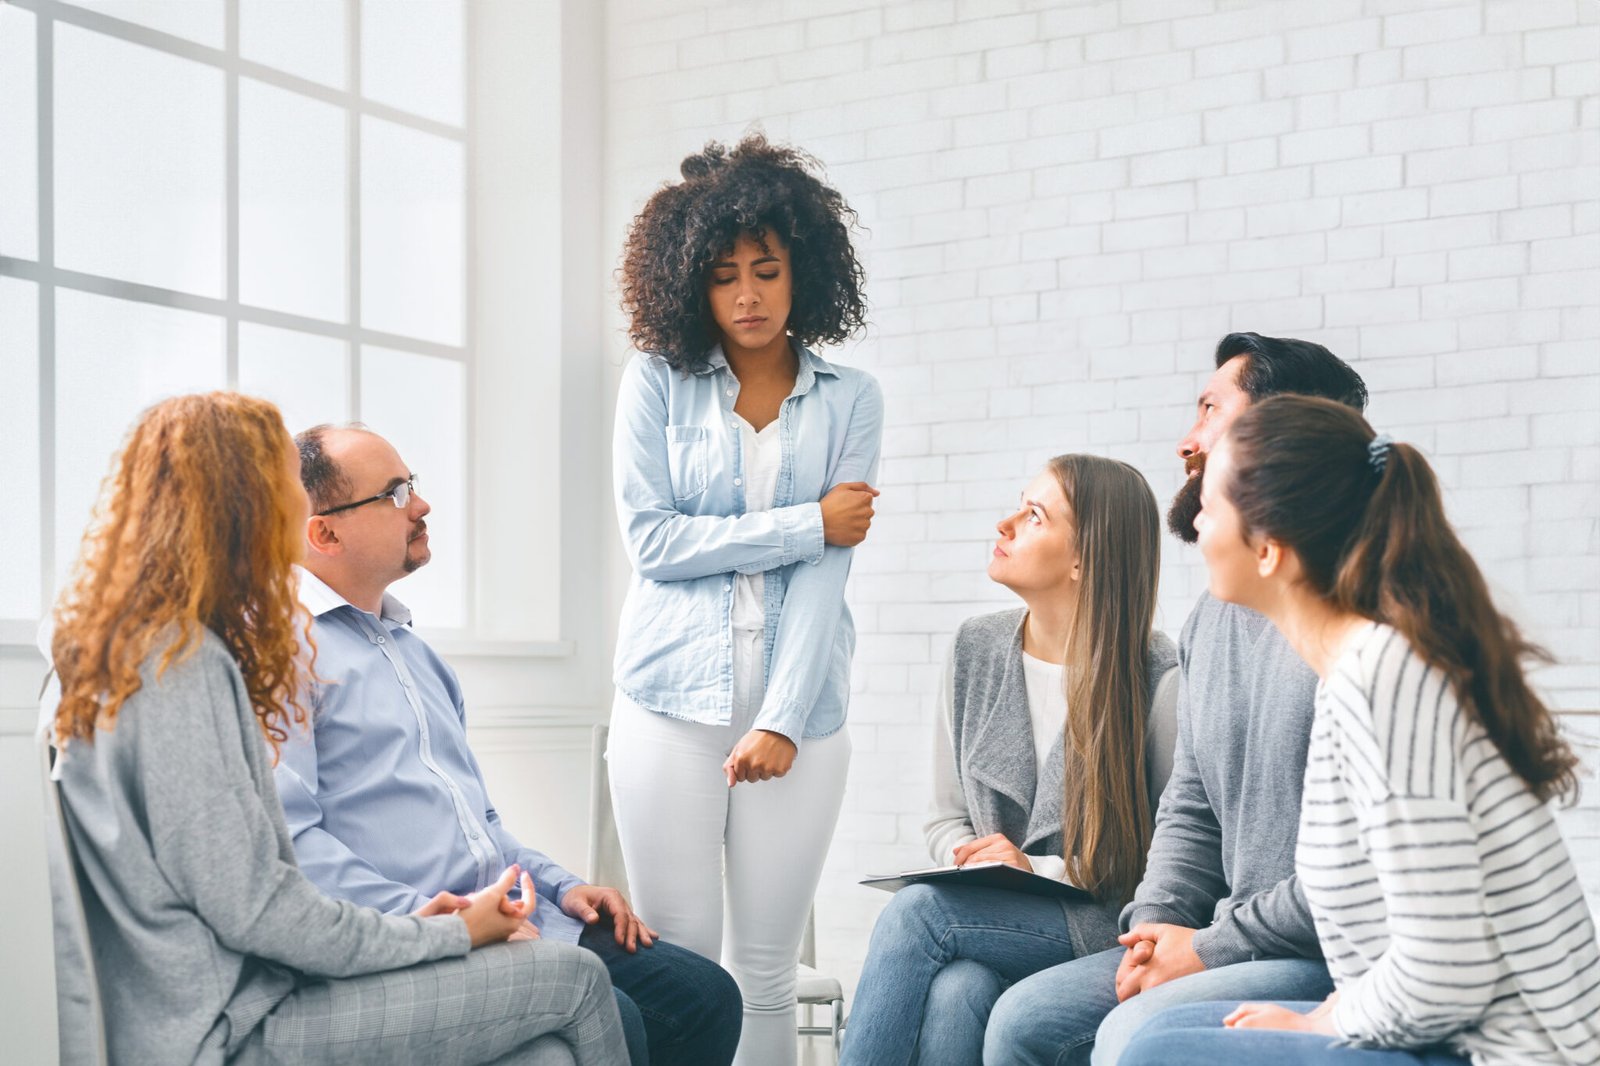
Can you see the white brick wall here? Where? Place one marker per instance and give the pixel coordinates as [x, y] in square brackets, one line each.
[1067, 205]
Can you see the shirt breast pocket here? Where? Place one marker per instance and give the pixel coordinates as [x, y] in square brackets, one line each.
[686, 461]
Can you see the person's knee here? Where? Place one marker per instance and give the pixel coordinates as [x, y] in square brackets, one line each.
[1124, 1023]
[912, 911]
[720, 1006]
[586, 971]
[766, 988]
[1015, 1034]
[963, 987]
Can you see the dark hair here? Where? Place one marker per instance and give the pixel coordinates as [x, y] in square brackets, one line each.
[754, 188]
[1275, 365]
[325, 483]
[1373, 539]
[1272, 366]
[1106, 821]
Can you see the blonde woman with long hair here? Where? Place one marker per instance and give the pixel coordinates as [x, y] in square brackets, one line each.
[179, 648]
[1040, 762]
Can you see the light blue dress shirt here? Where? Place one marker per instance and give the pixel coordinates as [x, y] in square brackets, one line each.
[386, 804]
[679, 480]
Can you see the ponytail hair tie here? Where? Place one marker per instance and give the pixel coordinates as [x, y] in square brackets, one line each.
[1378, 452]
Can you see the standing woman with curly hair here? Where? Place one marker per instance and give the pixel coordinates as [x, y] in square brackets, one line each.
[743, 466]
[178, 646]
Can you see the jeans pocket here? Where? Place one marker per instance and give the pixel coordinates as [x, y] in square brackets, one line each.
[686, 461]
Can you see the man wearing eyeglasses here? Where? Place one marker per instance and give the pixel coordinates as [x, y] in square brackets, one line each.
[381, 793]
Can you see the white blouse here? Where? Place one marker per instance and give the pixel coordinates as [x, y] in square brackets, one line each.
[763, 454]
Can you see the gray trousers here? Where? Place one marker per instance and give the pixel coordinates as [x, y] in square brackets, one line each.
[530, 1003]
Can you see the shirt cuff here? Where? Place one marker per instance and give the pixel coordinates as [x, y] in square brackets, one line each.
[556, 892]
[784, 716]
[1052, 866]
[802, 532]
[1222, 944]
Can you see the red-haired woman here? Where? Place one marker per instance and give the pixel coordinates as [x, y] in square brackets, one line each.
[1448, 908]
[178, 648]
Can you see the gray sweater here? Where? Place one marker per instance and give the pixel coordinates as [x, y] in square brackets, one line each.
[199, 919]
[992, 757]
[1222, 860]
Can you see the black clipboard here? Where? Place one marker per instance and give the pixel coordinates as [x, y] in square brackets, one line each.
[981, 875]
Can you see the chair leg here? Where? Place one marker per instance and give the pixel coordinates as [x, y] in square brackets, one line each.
[838, 1025]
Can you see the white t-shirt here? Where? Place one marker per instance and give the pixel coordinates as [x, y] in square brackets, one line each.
[1047, 705]
[763, 454]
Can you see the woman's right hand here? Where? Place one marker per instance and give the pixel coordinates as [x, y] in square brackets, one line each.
[491, 917]
[846, 513]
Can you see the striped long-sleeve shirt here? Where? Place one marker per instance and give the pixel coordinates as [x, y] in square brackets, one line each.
[1448, 908]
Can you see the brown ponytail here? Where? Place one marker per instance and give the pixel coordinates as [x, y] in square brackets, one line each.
[1368, 525]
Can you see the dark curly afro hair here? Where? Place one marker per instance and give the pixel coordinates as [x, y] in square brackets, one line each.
[756, 188]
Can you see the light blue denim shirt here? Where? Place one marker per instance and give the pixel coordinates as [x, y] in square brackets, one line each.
[383, 797]
[679, 480]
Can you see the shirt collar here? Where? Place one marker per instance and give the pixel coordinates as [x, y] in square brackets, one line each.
[811, 364]
[319, 599]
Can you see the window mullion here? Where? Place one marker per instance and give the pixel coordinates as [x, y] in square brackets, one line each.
[352, 206]
[44, 74]
[231, 118]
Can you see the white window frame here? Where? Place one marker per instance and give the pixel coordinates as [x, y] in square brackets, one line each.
[49, 278]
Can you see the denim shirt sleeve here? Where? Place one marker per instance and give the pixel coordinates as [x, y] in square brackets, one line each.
[814, 598]
[326, 860]
[663, 543]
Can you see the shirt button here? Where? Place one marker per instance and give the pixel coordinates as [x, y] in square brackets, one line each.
[474, 834]
[738, 481]
[380, 640]
[730, 392]
[727, 588]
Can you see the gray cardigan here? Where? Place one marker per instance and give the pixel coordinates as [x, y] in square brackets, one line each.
[199, 920]
[984, 754]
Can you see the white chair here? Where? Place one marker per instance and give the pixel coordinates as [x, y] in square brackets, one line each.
[818, 990]
[607, 868]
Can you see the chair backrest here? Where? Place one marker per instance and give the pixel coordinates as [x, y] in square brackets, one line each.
[605, 849]
[1161, 736]
[79, 1021]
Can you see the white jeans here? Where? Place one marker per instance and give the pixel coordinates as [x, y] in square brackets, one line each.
[682, 828]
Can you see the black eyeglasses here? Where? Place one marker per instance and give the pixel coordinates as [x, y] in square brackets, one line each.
[400, 494]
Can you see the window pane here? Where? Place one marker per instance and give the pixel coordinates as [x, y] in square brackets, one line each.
[114, 358]
[140, 193]
[418, 403]
[304, 374]
[197, 20]
[291, 202]
[19, 139]
[19, 443]
[412, 56]
[304, 37]
[412, 232]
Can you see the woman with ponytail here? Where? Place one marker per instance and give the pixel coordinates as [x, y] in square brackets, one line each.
[1042, 760]
[1448, 908]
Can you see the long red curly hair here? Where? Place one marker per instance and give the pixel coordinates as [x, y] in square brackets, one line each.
[195, 528]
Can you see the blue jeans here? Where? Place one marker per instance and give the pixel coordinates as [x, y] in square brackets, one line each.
[1070, 1012]
[1193, 1035]
[684, 1008]
[939, 958]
